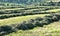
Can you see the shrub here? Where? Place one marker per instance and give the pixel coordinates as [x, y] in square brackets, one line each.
[25, 26]
[30, 26]
[39, 19]
[48, 18]
[44, 22]
[22, 27]
[54, 18]
[6, 28]
[37, 23]
[31, 20]
[58, 16]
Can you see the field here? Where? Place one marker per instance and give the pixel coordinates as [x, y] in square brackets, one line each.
[19, 19]
[23, 15]
[48, 30]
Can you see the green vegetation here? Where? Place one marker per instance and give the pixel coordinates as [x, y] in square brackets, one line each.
[54, 10]
[27, 20]
[19, 19]
[37, 22]
[36, 19]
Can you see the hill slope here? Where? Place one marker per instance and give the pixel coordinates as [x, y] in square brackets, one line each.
[26, 1]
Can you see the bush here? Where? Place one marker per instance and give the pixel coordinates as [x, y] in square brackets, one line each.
[39, 19]
[44, 22]
[25, 26]
[54, 18]
[58, 16]
[49, 20]
[37, 23]
[31, 21]
[6, 28]
[22, 27]
[30, 26]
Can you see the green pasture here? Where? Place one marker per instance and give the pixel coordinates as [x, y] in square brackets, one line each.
[19, 19]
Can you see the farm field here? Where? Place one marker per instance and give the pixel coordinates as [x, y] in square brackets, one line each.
[30, 21]
[53, 10]
[48, 30]
[29, 17]
[19, 19]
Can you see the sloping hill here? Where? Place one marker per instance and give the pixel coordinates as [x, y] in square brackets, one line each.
[49, 30]
[26, 1]
[54, 0]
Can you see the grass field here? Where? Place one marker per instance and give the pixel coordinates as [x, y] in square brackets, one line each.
[11, 9]
[48, 30]
[19, 19]
[53, 29]
[53, 10]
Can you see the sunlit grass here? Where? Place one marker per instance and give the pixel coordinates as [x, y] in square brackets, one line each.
[53, 10]
[52, 29]
[19, 19]
[11, 9]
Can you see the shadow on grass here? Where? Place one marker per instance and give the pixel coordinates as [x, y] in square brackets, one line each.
[40, 22]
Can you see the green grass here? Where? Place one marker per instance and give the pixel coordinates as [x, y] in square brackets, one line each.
[52, 29]
[22, 18]
[32, 7]
[11, 9]
[48, 30]
[19, 19]
[53, 10]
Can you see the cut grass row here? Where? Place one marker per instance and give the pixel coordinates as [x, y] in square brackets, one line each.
[33, 8]
[11, 11]
[27, 25]
[18, 19]
[53, 10]
[15, 13]
[33, 23]
[4, 16]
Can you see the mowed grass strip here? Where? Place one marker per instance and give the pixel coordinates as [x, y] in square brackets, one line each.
[19, 19]
[53, 10]
[11, 9]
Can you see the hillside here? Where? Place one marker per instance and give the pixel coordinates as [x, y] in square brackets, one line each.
[20, 1]
[29, 17]
[49, 30]
[26, 1]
